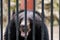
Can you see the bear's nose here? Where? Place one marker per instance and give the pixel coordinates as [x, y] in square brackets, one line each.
[24, 28]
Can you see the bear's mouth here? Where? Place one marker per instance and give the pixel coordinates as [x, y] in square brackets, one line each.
[25, 29]
[23, 32]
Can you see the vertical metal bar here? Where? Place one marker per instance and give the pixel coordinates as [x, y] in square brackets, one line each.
[17, 22]
[8, 19]
[25, 19]
[1, 19]
[51, 19]
[33, 20]
[42, 34]
[59, 19]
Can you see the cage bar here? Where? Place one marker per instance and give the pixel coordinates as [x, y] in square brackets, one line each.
[59, 19]
[1, 19]
[25, 5]
[8, 19]
[42, 28]
[51, 19]
[17, 22]
[33, 32]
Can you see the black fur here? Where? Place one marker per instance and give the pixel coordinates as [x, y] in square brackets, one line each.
[38, 26]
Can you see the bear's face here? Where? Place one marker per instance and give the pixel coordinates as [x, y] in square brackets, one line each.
[23, 27]
[21, 18]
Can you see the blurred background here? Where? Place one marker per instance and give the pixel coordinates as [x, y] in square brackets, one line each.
[47, 12]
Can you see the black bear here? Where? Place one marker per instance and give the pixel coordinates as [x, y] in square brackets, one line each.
[21, 18]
